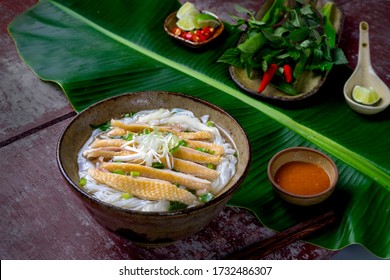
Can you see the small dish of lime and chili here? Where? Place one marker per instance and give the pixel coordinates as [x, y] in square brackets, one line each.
[192, 27]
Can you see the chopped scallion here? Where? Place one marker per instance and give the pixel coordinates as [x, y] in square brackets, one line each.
[206, 197]
[158, 165]
[205, 150]
[175, 205]
[211, 166]
[174, 149]
[118, 171]
[126, 195]
[103, 126]
[181, 143]
[129, 136]
[146, 131]
[129, 115]
[83, 182]
[210, 123]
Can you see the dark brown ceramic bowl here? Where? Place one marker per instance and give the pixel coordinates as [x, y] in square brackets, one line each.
[149, 228]
[170, 24]
[305, 155]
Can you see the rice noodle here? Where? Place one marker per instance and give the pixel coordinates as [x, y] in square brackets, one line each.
[151, 147]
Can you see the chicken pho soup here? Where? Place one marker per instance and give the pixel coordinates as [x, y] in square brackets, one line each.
[157, 160]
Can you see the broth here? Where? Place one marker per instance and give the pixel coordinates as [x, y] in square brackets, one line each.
[302, 178]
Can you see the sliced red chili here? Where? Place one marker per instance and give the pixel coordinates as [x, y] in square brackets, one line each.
[177, 31]
[287, 73]
[267, 77]
[189, 36]
[202, 38]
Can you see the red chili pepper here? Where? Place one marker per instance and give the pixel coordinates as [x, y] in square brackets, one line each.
[177, 31]
[189, 36]
[202, 38]
[267, 77]
[287, 73]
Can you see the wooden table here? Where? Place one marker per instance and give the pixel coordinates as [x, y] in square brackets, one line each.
[41, 218]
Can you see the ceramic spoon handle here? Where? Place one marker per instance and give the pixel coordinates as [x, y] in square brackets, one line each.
[364, 60]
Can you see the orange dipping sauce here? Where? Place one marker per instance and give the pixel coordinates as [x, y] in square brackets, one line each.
[303, 178]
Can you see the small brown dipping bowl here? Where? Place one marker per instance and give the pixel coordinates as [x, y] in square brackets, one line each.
[308, 155]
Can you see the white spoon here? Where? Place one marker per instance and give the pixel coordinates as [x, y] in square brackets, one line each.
[365, 76]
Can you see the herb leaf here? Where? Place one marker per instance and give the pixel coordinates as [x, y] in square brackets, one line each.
[175, 205]
[103, 126]
[301, 36]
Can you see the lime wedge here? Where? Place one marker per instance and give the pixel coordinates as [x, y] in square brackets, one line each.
[366, 96]
[204, 20]
[186, 24]
[187, 10]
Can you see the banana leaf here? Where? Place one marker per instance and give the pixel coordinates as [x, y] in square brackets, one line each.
[97, 49]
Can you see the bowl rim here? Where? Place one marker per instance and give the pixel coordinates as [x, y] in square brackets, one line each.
[85, 195]
[302, 196]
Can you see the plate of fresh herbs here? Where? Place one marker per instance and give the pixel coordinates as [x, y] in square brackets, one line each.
[287, 48]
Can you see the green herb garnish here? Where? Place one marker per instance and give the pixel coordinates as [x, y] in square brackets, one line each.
[146, 131]
[210, 124]
[103, 126]
[300, 36]
[128, 136]
[181, 143]
[175, 205]
[158, 165]
[128, 115]
[206, 197]
[205, 150]
[211, 166]
[126, 195]
[118, 171]
[83, 182]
